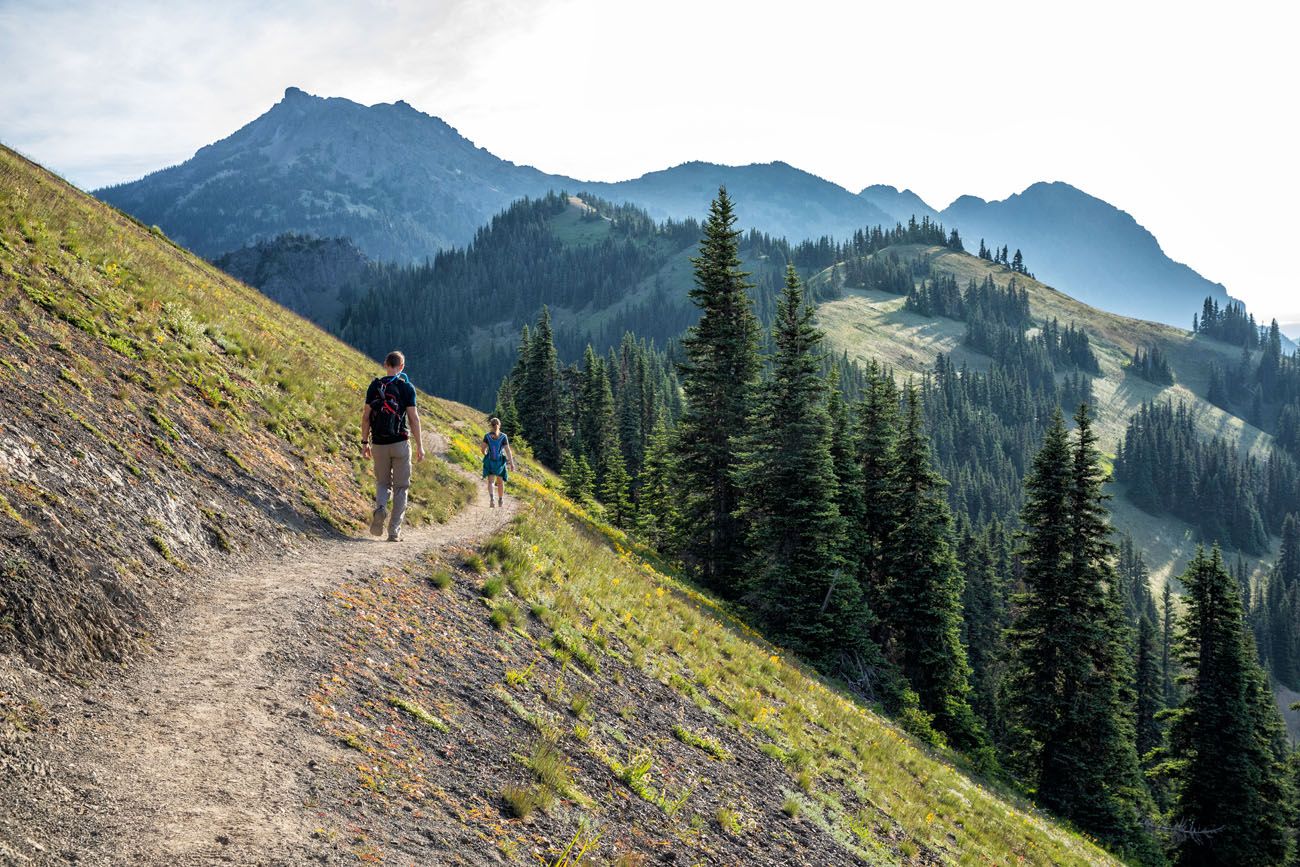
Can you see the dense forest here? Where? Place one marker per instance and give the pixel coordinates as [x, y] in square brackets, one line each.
[991, 612]
[606, 263]
[1168, 468]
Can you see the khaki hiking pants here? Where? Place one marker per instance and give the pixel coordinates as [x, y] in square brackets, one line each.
[392, 473]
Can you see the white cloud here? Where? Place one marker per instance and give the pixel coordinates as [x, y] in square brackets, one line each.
[1179, 113]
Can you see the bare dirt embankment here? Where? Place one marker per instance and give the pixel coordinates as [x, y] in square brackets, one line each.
[206, 751]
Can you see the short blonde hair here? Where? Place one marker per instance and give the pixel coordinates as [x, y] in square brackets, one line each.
[494, 421]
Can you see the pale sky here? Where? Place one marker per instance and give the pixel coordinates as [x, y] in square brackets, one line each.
[1182, 114]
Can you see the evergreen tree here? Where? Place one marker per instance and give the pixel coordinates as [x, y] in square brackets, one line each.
[924, 584]
[877, 448]
[1068, 698]
[1168, 662]
[614, 485]
[657, 496]
[800, 586]
[984, 615]
[1149, 688]
[1226, 752]
[539, 398]
[597, 426]
[719, 378]
[506, 409]
[868, 671]
[579, 481]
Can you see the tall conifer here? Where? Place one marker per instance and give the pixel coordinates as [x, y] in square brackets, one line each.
[800, 586]
[1068, 703]
[719, 377]
[924, 586]
[1226, 755]
[539, 397]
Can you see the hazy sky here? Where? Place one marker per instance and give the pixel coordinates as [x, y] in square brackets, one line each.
[1182, 114]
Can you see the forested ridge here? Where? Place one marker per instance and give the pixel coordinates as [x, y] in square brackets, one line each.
[992, 612]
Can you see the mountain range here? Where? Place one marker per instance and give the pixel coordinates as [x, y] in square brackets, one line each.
[401, 185]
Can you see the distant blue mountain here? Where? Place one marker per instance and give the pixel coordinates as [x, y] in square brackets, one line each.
[774, 197]
[1088, 248]
[402, 184]
[901, 206]
[1075, 242]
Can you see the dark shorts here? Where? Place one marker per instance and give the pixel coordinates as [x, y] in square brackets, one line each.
[495, 468]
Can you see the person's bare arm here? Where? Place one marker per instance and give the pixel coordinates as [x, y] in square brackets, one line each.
[365, 431]
[413, 421]
[510, 455]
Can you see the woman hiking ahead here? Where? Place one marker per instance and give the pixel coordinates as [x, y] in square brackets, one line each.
[496, 454]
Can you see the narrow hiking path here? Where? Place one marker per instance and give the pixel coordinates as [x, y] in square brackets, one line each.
[205, 753]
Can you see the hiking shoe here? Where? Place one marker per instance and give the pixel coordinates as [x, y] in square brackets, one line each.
[377, 521]
[394, 537]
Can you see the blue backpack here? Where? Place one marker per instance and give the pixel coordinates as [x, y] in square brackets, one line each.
[496, 448]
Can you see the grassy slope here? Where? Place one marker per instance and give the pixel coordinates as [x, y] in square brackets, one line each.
[185, 420]
[157, 417]
[563, 672]
[867, 324]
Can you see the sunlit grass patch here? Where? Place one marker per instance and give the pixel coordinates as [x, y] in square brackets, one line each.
[417, 712]
[701, 742]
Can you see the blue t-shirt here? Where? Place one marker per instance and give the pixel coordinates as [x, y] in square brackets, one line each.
[401, 387]
[496, 446]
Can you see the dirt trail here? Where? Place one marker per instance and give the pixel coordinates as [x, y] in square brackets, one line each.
[204, 754]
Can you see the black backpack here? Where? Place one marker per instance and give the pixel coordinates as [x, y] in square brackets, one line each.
[387, 417]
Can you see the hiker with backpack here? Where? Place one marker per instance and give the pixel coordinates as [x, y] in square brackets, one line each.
[388, 423]
[496, 455]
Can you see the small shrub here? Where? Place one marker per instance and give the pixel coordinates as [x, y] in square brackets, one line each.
[918, 723]
[635, 773]
[549, 767]
[492, 588]
[792, 808]
[580, 704]
[519, 676]
[505, 613]
[475, 564]
[729, 820]
[804, 781]
[672, 806]
[523, 801]
[441, 578]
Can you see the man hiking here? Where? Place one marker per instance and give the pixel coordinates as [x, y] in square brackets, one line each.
[388, 422]
[496, 454]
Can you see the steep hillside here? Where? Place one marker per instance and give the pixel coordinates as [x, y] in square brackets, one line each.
[554, 696]
[1089, 248]
[159, 419]
[870, 324]
[401, 184]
